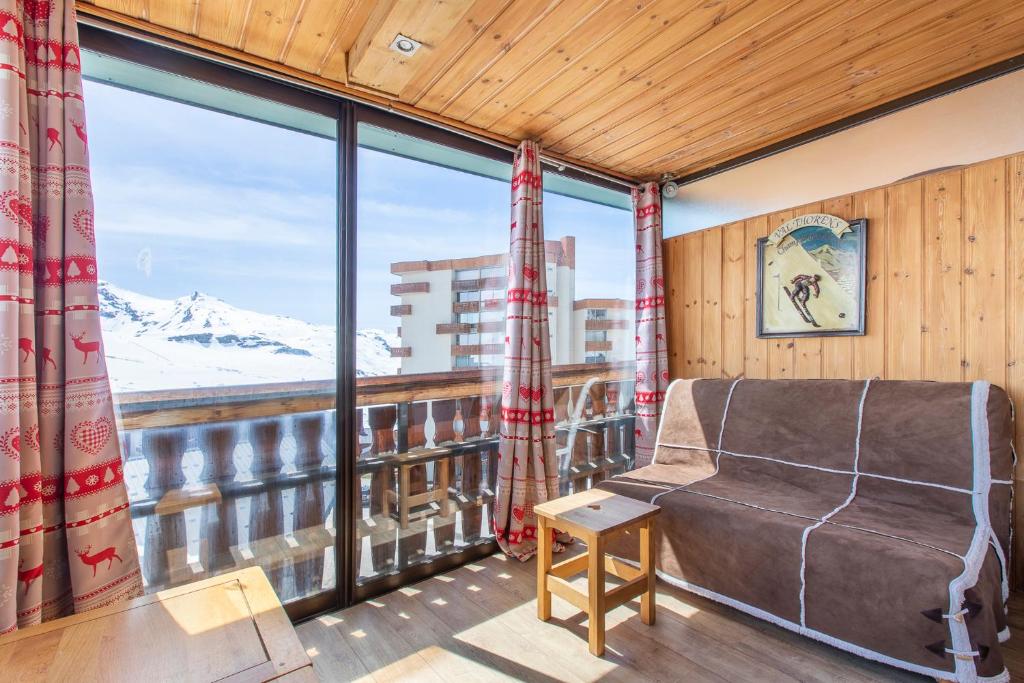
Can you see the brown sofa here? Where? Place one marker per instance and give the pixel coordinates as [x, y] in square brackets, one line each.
[873, 516]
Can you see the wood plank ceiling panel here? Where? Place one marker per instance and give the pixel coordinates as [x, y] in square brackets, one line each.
[317, 30]
[374, 64]
[689, 102]
[180, 16]
[690, 91]
[270, 27]
[640, 88]
[221, 21]
[480, 18]
[860, 77]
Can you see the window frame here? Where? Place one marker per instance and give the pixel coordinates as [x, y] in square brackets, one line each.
[162, 58]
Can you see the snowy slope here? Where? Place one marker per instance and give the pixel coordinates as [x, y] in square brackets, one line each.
[199, 340]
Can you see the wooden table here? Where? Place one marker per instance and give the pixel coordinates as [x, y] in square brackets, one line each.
[226, 628]
[595, 516]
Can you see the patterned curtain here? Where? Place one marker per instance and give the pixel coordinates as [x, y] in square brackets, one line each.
[651, 348]
[66, 541]
[527, 466]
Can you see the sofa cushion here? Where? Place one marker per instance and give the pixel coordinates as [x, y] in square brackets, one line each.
[918, 431]
[694, 436]
[725, 547]
[800, 421]
[922, 514]
[856, 591]
[776, 486]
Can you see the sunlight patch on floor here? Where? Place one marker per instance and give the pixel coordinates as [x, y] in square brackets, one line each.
[329, 620]
[482, 636]
[676, 606]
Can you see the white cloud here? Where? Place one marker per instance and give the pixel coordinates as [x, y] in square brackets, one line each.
[150, 201]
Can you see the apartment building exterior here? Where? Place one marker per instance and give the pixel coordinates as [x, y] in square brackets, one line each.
[607, 327]
[452, 313]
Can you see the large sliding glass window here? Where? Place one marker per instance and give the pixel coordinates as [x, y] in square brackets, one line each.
[227, 271]
[216, 232]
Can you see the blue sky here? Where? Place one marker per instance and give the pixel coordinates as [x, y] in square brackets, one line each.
[189, 199]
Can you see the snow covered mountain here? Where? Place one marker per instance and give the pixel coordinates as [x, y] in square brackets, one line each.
[202, 341]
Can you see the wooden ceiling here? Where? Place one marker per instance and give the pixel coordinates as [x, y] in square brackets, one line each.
[637, 87]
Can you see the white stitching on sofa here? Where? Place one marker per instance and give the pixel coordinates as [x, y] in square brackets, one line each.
[966, 671]
[819, 468]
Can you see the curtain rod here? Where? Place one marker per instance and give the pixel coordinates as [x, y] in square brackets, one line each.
[178, 46]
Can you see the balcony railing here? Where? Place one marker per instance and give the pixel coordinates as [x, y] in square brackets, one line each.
[227, 477]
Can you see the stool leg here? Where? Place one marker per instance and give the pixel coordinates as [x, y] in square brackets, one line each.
[543, 567]
[404, 489]
[647, 567]
[595, 594]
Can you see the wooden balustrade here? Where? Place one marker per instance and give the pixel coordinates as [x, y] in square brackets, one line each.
[165, 530]
[469, 468]
[308, 512]
[266, 509]
[219, 525]
[443, 413]
[382, 440]
[449, 474]
[596, 441]
[412, 482]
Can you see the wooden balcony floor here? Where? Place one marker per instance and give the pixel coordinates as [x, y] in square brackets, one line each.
[478, 622]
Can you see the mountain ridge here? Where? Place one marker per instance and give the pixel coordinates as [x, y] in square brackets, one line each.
[200, 340]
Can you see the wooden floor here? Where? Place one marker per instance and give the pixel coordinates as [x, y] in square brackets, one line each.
[479, 622]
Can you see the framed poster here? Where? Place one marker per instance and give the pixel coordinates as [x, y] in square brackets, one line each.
[810, 278]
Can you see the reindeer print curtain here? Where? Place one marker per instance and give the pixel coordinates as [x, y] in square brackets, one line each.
[527, 466]
[66, 541]
[651, 347]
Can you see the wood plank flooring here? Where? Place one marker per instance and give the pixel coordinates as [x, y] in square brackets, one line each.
[479, 623]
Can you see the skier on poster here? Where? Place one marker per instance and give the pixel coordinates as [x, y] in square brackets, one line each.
[801, 294]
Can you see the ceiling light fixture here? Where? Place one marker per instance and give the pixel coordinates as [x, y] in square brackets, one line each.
[404, 45]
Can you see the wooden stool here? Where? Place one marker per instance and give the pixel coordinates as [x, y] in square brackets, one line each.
[405, 501]
[594, 516]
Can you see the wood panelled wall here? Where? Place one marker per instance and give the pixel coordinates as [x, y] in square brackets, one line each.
[945, 292]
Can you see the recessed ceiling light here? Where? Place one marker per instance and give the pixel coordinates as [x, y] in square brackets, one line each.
[405, 45]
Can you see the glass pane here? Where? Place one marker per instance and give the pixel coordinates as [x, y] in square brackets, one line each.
[216, 237]
[592, 321]
[433, 239]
